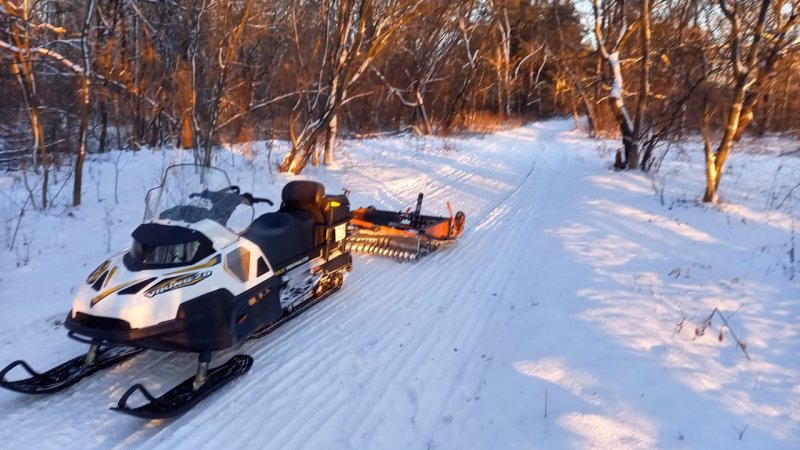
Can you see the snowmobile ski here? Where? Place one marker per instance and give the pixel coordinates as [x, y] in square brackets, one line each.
[67, 374]
[184, 396]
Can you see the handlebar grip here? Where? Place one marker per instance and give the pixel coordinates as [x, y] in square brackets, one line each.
[263, 200]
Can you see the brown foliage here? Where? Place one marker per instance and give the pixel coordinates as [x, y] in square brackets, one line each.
[197, 73]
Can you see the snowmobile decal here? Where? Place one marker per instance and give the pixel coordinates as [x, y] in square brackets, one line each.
[171, 284]
[296, 263]
[105, 294]
[109, 276]
[313, 254]
[100, 282]
[97, 272]
[210, 263]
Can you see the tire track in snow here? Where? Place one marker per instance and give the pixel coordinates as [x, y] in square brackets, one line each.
[468, 335]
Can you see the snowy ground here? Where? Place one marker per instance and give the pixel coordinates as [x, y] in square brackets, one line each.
[564, 318]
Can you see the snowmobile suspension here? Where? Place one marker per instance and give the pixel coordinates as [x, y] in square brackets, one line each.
[203, 361]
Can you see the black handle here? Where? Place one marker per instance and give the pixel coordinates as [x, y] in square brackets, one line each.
[250, 200]
[262, 200]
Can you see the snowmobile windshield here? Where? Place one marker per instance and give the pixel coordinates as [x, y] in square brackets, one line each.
[192, 193]
[182, 253]
[160, 245]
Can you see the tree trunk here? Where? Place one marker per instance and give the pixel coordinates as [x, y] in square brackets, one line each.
[101, 145]
[76, 188]
[742, 76]
[187, 133]
[617, 103]
[711, 172]
[330, 141]
[22, 68]
[426, 122]
[644, 85]
[85, 104]
[616, 96]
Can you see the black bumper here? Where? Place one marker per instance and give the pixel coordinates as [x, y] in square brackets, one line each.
[203, 324]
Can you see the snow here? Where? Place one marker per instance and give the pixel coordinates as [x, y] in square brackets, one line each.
[565, 316]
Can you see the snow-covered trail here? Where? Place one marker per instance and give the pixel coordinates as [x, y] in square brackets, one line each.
[395, 332]
[377, 366]
[541, 298]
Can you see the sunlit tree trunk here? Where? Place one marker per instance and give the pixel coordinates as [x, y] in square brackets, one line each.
[330, 141]
[85, 100]
[742, 75]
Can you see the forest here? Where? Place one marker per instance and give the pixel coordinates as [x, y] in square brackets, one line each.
[83, 77]
[393, 224]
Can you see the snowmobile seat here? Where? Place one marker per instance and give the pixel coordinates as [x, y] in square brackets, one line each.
[304, 196]
[282, 236]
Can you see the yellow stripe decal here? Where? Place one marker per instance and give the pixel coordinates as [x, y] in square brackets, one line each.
[211, 262]
[105, 294]
[109, 276]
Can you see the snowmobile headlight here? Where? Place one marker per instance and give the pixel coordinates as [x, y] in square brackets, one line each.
[97, 272]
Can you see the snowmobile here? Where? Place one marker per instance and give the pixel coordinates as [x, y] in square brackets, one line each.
[201, 276]
[405, 236]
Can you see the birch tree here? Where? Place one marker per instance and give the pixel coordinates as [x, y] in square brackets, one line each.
[610, 53]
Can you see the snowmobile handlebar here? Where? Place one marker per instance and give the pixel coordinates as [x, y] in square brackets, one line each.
[205, 193]
[250, 200]
[215, 196]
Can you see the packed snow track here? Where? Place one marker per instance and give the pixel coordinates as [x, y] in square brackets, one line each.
[459, 350]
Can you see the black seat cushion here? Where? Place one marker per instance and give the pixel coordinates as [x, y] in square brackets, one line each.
[304, 196]
[282, 236]
[303, 191]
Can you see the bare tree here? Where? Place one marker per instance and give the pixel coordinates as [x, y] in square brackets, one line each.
[361, 30]
[644, 84]
[17, 31]
[778, 41]
[616, 97]
[226, 58]
[743, 77]
[85, 97]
